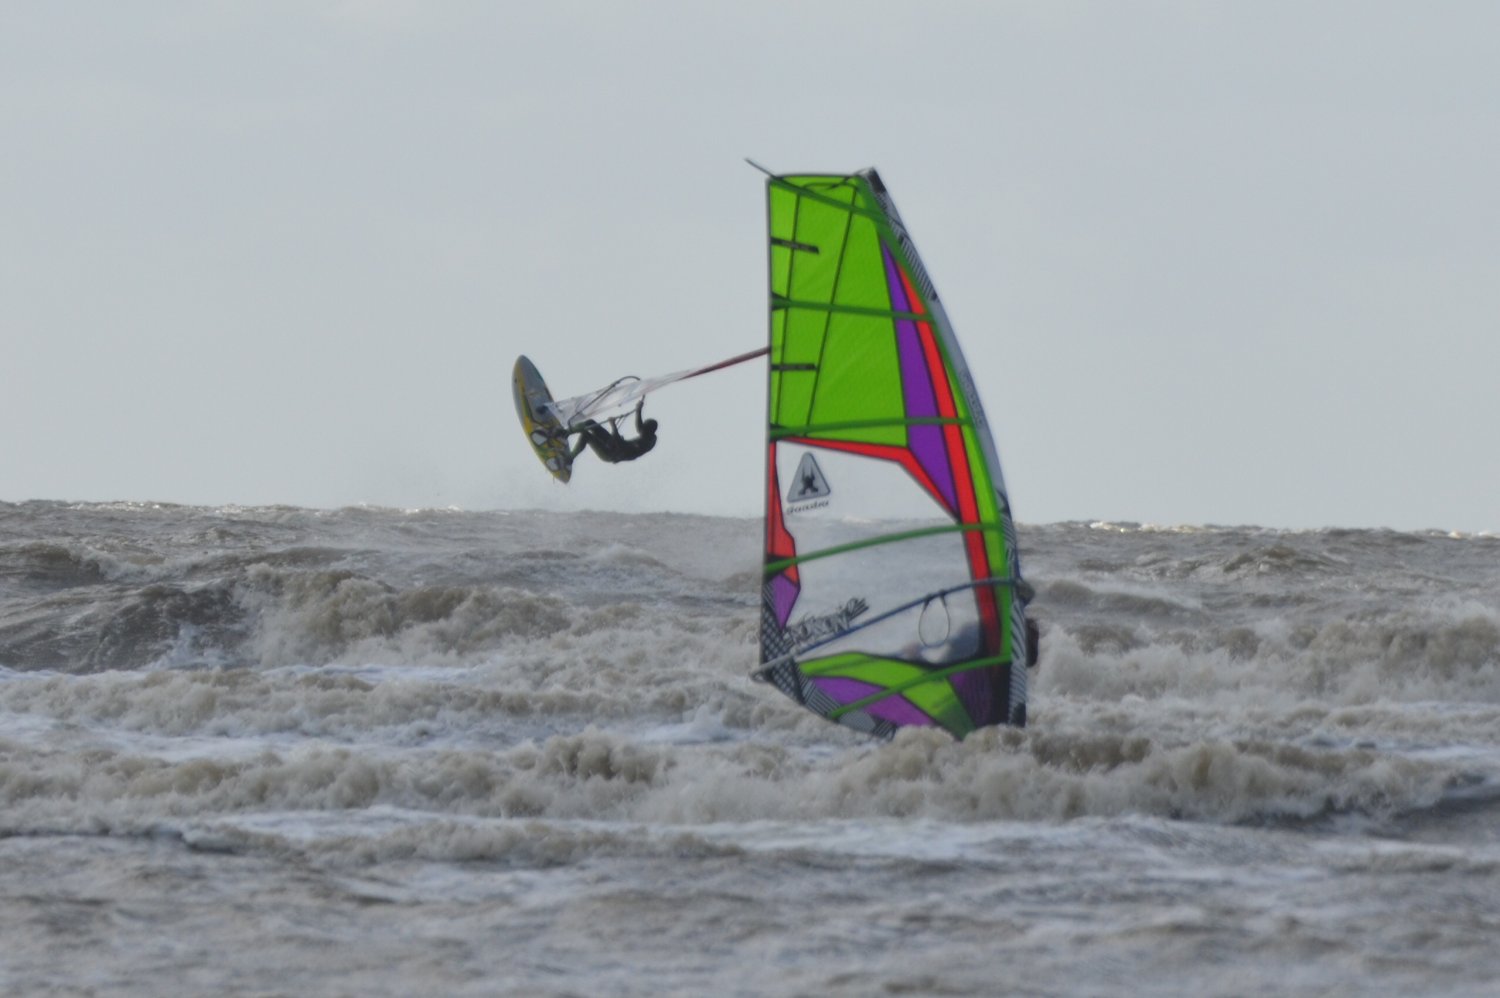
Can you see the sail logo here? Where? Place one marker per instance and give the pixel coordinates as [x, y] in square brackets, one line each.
[821, 629]
[808, 484]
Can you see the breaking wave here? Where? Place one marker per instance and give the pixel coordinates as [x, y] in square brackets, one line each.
[368, 683]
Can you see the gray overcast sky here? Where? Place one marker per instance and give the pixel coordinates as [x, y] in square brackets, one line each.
[1210, 263]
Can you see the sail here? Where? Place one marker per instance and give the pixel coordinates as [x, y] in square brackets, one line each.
[622, 395]
[615, 399]
[892, 592]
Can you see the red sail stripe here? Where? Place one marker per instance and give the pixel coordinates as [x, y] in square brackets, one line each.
[779, 541]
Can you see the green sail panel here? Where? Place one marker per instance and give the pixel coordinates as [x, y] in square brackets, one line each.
[892, 592]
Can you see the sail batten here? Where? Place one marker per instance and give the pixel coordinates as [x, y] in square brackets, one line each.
[815, 306]
[778, 432]
[772, 567]
[883, 487]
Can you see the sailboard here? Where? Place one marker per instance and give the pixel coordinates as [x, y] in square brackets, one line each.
[892, 592]
[544, 433]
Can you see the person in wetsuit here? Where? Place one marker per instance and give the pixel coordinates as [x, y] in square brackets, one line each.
[609, 445]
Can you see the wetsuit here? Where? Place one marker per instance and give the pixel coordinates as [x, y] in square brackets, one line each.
[610, 446]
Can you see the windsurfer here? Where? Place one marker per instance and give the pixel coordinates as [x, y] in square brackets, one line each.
[609, 445]
[1026, 593]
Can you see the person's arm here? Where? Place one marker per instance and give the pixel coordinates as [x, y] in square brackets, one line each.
[640, 427]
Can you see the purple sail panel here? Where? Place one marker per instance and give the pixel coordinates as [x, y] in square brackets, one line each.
[976, 691]
[784, 592]
[895, 708]
[925, 442]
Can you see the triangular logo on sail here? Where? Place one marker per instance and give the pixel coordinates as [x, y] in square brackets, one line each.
[808, 482]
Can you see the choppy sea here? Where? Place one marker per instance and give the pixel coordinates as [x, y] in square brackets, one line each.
[279, 751]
